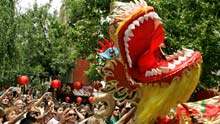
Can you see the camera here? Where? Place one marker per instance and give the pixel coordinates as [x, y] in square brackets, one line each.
[14, 89]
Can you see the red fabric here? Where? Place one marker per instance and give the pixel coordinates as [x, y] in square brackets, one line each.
[210, 110]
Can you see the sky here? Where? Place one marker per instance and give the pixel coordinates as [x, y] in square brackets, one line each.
[23, 5]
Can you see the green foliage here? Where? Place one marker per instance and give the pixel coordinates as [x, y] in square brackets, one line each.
[8, 51]
[34, 43]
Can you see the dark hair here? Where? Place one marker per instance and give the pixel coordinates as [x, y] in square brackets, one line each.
[29, 120]
[2, 112]
[31, 114]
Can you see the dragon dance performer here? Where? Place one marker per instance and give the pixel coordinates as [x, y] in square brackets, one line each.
[138, 70]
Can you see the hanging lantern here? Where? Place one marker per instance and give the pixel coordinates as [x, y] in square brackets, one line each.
[91, 98]
[77, 85]
[67, 99]
[23, 80]
[56, 84]
[79, 99]
[97, 85]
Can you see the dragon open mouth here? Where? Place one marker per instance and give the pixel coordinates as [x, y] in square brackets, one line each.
[140, 40]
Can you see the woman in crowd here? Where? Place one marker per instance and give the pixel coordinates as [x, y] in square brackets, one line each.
[11, 117]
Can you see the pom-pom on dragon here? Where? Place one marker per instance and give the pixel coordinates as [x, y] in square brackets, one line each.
[138, 70]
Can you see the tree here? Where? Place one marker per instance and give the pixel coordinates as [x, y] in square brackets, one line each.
[8, 50]
[84, 17]
[45, 47]
[34, 43]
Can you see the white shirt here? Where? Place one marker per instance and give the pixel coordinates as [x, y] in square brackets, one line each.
[53, 121]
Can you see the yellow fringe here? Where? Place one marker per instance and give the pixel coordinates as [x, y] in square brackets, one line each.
[157, 100]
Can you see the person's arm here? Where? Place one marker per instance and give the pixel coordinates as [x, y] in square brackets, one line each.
[126, 108]
[41, 98]
[64, 116]
[51, 106]
[6, 93]
[80, 115]
[19, 92]
[124, 119]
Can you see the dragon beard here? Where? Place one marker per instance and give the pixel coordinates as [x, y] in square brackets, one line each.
[157, 100]
[144, 73]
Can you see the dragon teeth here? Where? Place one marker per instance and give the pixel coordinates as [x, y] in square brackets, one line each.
[171, 66]
[129, 60]
[129, 33]
[141, 19]
[126, 39]
[176, 62]
[182, 58]
[159, 71]
[188, 52]
[146, 17]
[136, 23]
[164, 69]
[147, 74]
[154, 72]
[131, 26]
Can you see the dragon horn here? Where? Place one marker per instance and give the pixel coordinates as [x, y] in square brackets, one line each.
[101, 44]
[107, 42]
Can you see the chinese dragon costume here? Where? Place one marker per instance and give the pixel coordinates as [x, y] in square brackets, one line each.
[138, 70]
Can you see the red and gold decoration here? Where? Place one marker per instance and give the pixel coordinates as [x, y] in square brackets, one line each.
[79, 99]
[23, 80]
[143, 72]
[77, 85]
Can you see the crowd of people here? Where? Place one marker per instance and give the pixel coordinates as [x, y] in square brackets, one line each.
[19, 108]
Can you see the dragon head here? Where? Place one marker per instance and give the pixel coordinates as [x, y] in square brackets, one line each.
[143, 70]
[140, 37]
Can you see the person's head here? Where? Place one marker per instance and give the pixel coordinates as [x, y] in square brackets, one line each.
[28, 99]
[59, 110]
[116, 111]
[5, 100]
[72, 116]
[83, 112]
[33, 114]
[10, 114]
[29, 120]
[19, 104]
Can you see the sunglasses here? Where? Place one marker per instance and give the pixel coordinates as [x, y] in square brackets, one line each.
[72, 114]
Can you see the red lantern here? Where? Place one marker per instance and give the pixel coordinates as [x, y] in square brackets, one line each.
[91, 99]
[79, 99]
[77, 85]
[67, 99]
[56, 84]
[97, 85]
[23, 80]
